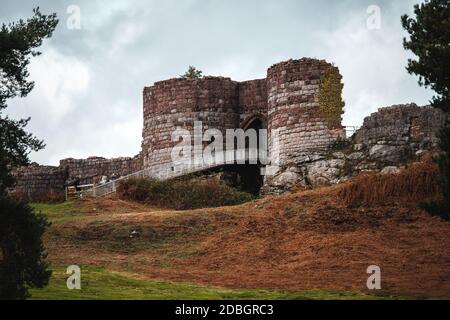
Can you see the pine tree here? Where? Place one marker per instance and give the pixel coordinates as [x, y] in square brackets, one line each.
[22, 254]
[429, 40]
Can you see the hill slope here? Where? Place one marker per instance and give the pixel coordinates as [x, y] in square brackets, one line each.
[307, 240]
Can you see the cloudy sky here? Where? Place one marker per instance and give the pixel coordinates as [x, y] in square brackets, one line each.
[88, 95]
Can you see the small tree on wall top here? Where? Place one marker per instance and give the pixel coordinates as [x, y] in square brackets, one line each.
[193, 73]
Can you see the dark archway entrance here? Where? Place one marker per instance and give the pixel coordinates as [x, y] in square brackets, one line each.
[249, 176]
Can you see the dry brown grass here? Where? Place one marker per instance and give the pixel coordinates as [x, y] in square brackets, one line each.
[300, 241]
[416, 183]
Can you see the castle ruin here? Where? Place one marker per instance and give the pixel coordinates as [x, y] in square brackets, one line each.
[300, 99]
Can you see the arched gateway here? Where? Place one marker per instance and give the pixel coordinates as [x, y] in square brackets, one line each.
[287, 101]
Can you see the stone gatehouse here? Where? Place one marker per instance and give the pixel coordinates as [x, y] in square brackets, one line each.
[287, 101]
[294, 100]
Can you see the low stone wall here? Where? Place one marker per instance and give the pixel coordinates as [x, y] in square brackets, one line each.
[47, 183]
[39, 183]
[92, 169]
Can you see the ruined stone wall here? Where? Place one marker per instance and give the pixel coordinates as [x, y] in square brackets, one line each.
[402, 125]
[387, 141]
[39, 183]
[293, 108]
[92, 169]
[47, 183]
[252, 101]
[179, 103]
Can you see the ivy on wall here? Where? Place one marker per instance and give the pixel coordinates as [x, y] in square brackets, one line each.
[330, 98]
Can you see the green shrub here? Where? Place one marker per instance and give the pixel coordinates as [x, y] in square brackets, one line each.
[181, 194]
[442, 208]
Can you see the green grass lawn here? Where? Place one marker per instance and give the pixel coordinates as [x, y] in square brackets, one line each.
[87, 209]
[58, 211]
[64, 207]
[100, 284]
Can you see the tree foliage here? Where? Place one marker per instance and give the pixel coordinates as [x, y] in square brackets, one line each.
[193, 73]
[442, 208]
[429, 40]
[15, 145]
[22, 255]
[18, 42]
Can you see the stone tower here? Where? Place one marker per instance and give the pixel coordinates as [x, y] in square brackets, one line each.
[294, 109]
[178, 103]
[286, 102]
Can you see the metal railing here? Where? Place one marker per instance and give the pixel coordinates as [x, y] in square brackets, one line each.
[351, 130]
[78, 192]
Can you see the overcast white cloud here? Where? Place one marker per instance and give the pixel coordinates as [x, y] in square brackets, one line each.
[58, 80]
[87, 100]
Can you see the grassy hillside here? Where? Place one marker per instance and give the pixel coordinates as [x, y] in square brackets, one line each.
[100, 284]
[285, 246]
